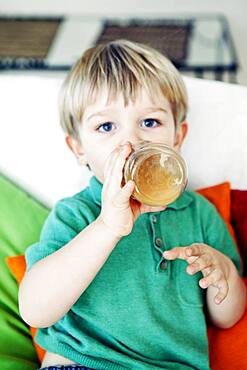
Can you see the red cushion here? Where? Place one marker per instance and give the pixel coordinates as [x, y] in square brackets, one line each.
[239, 222]
[227, 347]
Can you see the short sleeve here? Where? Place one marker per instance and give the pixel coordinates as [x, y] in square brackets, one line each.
[63, 223]
[218, 236]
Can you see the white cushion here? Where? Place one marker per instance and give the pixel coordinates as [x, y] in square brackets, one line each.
[215, 148]
[34, 155]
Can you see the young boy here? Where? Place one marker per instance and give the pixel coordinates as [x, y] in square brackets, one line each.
[114, 284]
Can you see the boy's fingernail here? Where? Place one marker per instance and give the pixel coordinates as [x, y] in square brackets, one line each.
[217, 300]
[130, 183]
[128, 144]
[203, 283]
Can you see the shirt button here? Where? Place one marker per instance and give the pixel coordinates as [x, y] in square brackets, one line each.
[159, 242]
[163, 265]
[154, 219]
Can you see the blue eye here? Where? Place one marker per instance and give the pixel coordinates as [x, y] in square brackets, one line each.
[105, 127]
[150, 122]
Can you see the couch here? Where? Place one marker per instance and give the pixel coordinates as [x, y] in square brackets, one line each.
[37, 169]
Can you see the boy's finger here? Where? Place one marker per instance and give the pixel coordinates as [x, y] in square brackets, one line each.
[177, 252]
[118, 168]
[192, 259]
[123, 196]
[223, 291]
[109, 165]
[217, 280]
[212, 278]
[220, 296]
[201, 263]
[196, 249]
[114, 168]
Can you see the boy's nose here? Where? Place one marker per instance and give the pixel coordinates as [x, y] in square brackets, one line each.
[133, 143]
[133, 138]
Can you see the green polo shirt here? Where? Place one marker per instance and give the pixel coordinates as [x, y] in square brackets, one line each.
[141, 311]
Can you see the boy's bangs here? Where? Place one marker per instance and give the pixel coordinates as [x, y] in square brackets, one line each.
[128, 86]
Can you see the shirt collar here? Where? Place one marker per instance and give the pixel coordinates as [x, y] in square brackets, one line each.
[95, 188]
[181, 202]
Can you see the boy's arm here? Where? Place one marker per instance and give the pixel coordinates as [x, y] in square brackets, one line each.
[54, 283]
[218, 261]
[231, 309]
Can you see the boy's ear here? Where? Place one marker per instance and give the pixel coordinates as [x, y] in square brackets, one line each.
[76, 147]
[180, 134]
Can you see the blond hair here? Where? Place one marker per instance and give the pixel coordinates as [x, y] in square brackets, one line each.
[122, 67]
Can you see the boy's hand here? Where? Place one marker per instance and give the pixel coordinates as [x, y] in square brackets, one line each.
[119, 211]
[214, 266]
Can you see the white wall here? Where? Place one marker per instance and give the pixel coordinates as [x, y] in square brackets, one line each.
[235, 11]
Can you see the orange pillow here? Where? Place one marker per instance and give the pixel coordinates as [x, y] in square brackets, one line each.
[227, 348]
[220, 196]
[17, 266]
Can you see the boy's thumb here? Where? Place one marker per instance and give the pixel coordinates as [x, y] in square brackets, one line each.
[124, 194]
